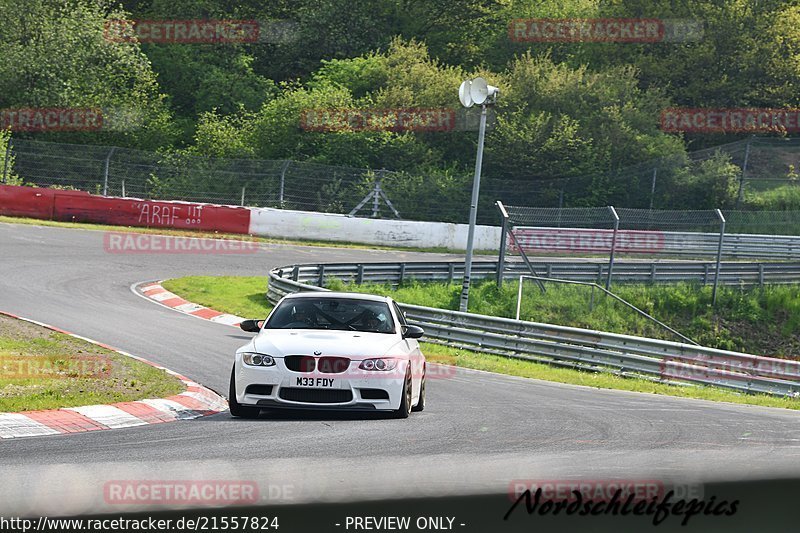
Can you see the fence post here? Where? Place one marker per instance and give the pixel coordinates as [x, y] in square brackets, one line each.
[519, 296]
[501, 260]
[283, 182]
[740, 195]
[613, 245]
[6, 163]
[719, 256]
[124, 195]
[105, 170]
[243, 188]
[321, 278]
[653, 187]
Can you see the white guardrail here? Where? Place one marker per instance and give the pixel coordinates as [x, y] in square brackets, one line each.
[585, 349]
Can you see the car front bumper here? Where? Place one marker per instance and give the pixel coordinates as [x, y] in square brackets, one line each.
[277, 386]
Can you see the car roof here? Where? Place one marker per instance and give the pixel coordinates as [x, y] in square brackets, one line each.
[332, 295]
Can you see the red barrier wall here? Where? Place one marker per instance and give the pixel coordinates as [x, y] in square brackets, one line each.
[26, 202]
[79, 206]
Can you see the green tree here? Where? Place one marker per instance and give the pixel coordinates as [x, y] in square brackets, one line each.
[53, 54]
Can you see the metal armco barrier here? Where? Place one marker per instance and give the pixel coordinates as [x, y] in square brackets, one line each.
[731, 273]
[560, 345]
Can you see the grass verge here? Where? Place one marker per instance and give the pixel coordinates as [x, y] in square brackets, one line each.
[44, 369]
[244, 296]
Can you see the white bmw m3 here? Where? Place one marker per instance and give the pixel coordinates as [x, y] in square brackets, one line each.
[328, 350]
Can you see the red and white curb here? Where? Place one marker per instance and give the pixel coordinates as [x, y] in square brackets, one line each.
[158, 294]
[196, 401]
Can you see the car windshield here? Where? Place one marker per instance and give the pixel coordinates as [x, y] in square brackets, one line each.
[332, 313]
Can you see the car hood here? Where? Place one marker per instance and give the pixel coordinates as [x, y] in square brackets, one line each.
[352, 344]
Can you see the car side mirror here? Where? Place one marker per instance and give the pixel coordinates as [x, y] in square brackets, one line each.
[251, 326]
[412, 332]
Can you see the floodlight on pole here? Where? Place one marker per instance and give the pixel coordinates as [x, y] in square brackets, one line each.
[470, 93]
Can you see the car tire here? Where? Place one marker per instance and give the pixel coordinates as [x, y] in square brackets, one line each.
[238, 410]
[421, 402]
[405, 402]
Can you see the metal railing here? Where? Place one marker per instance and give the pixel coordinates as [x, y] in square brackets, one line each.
[577, 348]
[731, 273]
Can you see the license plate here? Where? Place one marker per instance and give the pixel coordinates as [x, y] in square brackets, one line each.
[314, 382]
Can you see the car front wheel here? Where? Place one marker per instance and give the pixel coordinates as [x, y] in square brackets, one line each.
[405, 402]
[421, 402]
[238, 410]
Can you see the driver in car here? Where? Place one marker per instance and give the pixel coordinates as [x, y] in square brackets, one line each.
[303, 317]
[373, 322]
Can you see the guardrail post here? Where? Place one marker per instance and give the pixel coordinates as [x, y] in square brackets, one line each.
[613, 245]
[296, 273]
[501, 261]
[719, 256]
[402, 274]
[450, 272]
[761, 274]
[360, 274]
[653, 273]
[321, 279]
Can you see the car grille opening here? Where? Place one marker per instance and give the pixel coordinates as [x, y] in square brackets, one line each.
[333, 365]
[315, 395]
[374, 394]
[300, 363]
[259, 390]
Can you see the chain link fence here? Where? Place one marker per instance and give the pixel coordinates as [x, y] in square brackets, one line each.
[720, 177]
[724, 176]
[284, 184]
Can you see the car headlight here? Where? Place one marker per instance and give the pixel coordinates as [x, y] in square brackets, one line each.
[258, 359]
[380, 365]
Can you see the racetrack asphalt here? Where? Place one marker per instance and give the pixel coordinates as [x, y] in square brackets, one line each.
[479, 431]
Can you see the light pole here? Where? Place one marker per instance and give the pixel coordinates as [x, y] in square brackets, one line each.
[473, 92]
